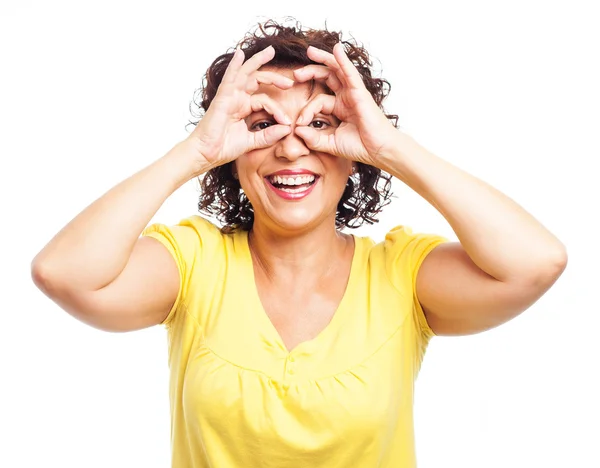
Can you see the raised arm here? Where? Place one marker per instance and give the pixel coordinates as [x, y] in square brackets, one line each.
[97, 268]
[505, 260]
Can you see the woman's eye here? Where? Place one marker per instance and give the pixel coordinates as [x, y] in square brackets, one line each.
[261, 125]
[319, 123]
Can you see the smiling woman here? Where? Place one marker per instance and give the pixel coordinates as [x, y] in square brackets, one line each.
[292, 343]
[365, 193]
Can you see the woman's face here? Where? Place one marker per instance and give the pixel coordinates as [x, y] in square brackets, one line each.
[269, 176]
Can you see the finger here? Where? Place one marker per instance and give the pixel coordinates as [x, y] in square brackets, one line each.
[258, 60]
[317, 141]
[324, 103]
[324, 57]
[260, 102]
[353, 78]
[268, 77]
[234, 65]
[320, 73]
[269, 136]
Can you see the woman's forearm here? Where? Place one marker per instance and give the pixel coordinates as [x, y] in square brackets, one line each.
[498, 235]
[93, 248]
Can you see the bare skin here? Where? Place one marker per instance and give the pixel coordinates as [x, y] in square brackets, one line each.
[301, 295]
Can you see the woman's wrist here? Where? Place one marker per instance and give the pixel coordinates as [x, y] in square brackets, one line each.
[183, 163]
[402, 148]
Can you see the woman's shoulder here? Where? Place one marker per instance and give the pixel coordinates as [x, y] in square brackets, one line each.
[201, 225]
[397, 234]
[193, 239]
[189, 227]
[401, 235]
[401, 241]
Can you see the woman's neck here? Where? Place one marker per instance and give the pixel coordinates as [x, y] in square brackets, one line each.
[310, 253]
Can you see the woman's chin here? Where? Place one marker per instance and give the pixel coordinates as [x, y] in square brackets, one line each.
[296, 219]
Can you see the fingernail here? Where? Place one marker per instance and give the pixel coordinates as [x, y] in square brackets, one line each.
[287, 120]
[299, 121]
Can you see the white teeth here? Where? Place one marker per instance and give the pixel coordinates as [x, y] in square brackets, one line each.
[298, 180]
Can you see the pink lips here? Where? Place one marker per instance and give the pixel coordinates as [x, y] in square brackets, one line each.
[288, 195]
[292, 172]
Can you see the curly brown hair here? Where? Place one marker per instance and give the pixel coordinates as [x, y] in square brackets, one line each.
[367, 191]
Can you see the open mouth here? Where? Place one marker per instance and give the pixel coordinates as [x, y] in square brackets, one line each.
[293, 184]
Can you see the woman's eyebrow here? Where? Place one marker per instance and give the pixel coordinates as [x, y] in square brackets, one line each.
[254, 113]
[313, 88]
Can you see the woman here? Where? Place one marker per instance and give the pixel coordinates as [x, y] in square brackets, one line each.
[292, 344]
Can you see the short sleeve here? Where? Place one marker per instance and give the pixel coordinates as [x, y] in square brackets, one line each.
[404, 254]
[186, 242]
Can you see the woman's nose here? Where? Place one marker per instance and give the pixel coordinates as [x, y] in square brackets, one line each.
[291, 147]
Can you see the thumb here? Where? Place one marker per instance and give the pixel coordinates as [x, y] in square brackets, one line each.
[269, 136]
[317, 141]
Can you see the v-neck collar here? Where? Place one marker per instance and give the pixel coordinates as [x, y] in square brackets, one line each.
[264, 322]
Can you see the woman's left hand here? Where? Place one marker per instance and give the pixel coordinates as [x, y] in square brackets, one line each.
[364, 132]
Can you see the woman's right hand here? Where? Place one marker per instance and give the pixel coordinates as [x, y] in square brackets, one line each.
[223, 134]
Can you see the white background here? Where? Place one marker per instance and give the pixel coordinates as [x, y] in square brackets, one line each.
[91, 92]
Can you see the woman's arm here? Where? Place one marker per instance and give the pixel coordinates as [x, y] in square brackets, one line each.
[93, 248]
[98, 269]
[505, 260]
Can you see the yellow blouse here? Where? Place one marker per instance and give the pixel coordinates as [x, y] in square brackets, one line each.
[343, 399]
